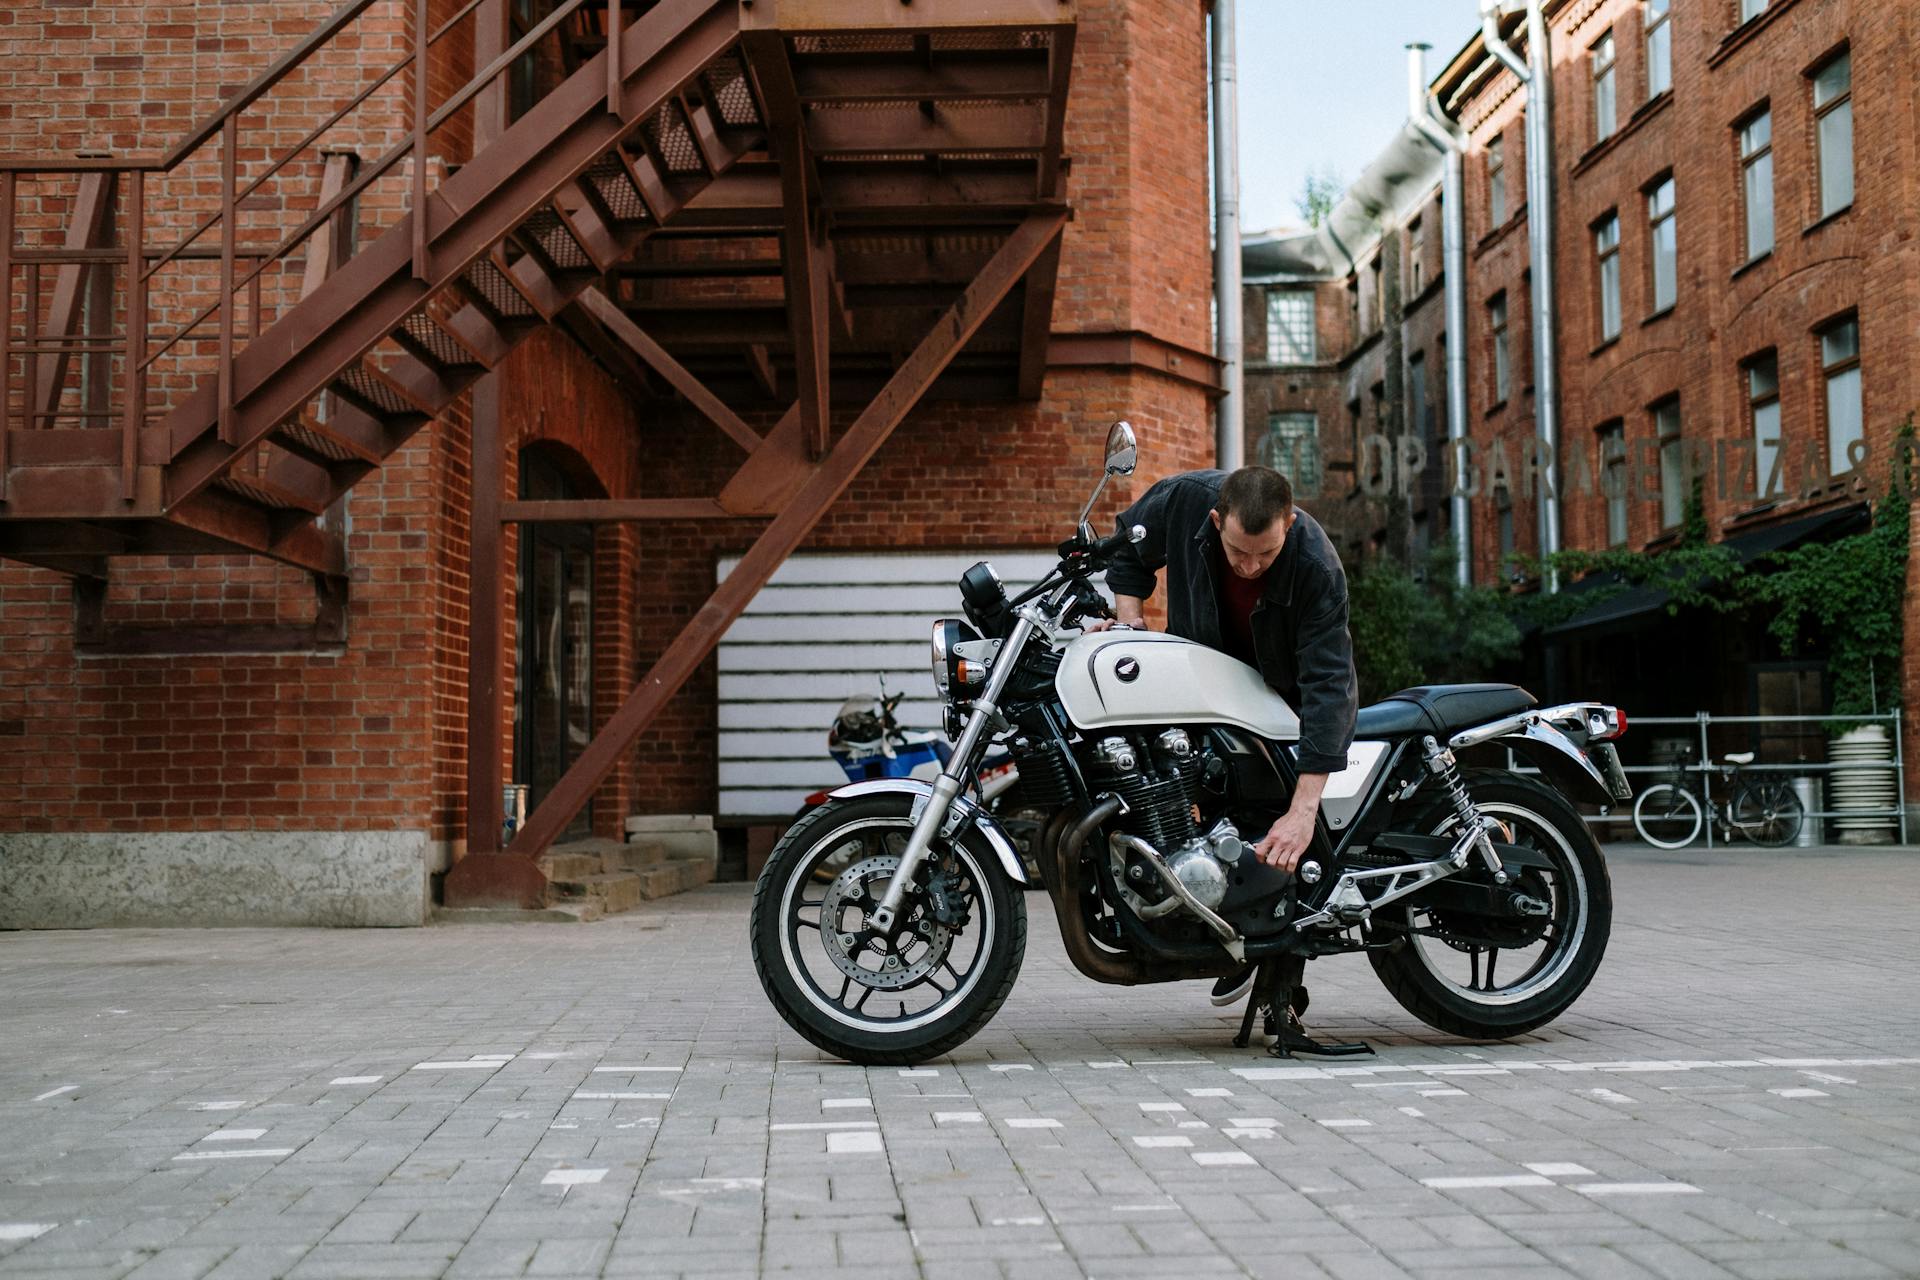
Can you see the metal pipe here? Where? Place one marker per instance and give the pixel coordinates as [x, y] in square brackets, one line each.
[1536, 74]
[1229, 432]
[1423, 109]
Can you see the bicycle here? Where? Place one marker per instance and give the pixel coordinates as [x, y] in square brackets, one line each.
[1762, 807]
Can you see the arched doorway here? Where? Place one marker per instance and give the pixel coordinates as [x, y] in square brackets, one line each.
[553, 669]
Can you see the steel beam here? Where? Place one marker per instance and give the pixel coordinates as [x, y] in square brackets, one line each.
[621, 326]
[860, 442]
[1015, 74]
[90, 227]
[1036, 321]
[611, 510]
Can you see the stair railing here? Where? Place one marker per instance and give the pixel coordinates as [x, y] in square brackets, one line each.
[243, 265]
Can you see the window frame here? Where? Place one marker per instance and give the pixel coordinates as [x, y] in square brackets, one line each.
[1614, 480]
[1756, 401]
[1416, 256]
[1658, 27]
[1276, 327]
[1307, 482]
[1842, 101]
[1498, 321]
[1746, 11]
[1750, 160]
[1497, 210]
[1606, 85]
[1829, 372]
[1656, 217]
[1673, 499]
[1607, 259]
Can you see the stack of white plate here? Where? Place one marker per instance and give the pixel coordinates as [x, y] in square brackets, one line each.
[1864, 798]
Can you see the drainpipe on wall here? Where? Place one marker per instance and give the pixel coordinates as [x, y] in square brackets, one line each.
[1536, 74]
[1229, 432]
[1433, 126]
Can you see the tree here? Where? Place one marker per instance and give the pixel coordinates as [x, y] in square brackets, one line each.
[1318, 192]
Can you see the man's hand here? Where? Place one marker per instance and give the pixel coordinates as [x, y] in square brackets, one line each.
[1128, 611]
[1283, 845]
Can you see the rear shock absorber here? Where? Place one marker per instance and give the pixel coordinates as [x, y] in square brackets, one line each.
[1446, 770]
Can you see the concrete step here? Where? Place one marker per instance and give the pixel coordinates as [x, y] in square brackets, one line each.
[566, 864]
[563, 913]
[611, 891]
[676, 875]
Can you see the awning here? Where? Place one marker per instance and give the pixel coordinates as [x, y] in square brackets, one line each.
[1636, 604]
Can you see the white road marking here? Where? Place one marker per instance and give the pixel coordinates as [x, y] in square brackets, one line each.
[1163, 1140]
[919, 1073]
[816, 1125]
[32, 1230]
[1193, 1124]
[355, 1080]
[631, 1071]
[1348, 1124]
[592, 1095]
[1255, 1122]
[1213, 1158]
[1011, 1066]
[1489, 1180]
[491, 1057]
[566, 1124]
[1635, 1188]
[1608, 1095]
[1390, 1084]
[235, 1135]
[471, 1064]
[958, 1117]
[1173, 1062]
[831, 1104]
[1018, 1222]
[54, 1093]
[1209, 1093]
[1553, 1170]
[548, 1055]
[230, 1105]
[1162, 1106]
[1032, 1122]
[1800, 1093]
[1415, 1112]
[259, 1153]
[1108, 1066]
[1254, 1135]
[572, 1177]
[1824, 1078]
[1443, 1093]
[848, 1144]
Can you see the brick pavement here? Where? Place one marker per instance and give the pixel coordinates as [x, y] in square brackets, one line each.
[1737, 1096]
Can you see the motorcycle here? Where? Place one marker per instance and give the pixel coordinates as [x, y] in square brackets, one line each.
[1152, 755]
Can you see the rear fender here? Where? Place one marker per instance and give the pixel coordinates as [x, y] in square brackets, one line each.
[1574, 770]
[965, 810]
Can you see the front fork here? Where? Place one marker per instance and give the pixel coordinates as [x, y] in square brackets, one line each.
[952, 780]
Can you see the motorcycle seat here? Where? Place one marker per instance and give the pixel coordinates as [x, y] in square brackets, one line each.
[1439, 709]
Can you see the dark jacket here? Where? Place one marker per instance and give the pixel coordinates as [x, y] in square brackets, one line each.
[1299, 627]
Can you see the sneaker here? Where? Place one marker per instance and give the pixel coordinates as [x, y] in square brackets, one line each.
[1230, 989]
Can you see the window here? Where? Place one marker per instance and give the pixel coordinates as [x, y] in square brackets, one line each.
[1606, 244]
[1756, 182]
[1497, 182]
[1840, 362]
[1377, 305]
[1416, 257]
[1604, 116]
[1833, 132]
[1292, 447]
[1751, 9]
[1666, 253]
[1503, 504]
[1674, 480]
[1763, 397]
[1419, 422]
[1290, 332]
[1613, 480]
[1497, 318]
[1659, 47]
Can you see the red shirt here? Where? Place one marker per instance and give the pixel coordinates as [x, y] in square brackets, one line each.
[1238, 596]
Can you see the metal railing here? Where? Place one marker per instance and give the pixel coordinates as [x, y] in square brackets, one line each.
[217, 142]
[1707, 767]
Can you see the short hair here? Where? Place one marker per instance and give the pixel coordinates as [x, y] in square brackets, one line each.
[1256, 496]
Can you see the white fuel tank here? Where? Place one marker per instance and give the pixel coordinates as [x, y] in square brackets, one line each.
[1113, 678]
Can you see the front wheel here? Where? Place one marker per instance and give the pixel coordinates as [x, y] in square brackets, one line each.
[865, 996]
[1667, 816]
[1489, 977]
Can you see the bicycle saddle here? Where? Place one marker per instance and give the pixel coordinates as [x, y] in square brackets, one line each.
[1738, 757]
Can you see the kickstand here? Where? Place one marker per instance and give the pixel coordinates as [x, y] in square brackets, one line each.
[1280, 993]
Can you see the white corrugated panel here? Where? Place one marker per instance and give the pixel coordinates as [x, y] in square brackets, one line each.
[824, 629]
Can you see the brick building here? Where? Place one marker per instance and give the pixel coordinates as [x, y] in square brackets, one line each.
[1733, 267]
[189, 733]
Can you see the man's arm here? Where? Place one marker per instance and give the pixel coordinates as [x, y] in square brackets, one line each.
[1329, 699]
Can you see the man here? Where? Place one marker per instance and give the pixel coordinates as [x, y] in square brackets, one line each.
[1252, 575]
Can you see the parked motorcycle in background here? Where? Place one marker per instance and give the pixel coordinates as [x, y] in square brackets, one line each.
[1478, 895]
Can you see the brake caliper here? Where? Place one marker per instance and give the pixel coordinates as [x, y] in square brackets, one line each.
[947, 899]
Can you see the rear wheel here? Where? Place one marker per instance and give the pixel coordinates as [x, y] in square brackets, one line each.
[1767, 812]
[884, 999]
[1490, 977]
[1667, 816]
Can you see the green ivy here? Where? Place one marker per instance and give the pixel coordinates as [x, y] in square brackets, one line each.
[1408, 632]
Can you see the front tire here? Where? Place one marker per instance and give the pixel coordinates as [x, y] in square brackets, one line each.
[1667, 816]
[1444, 973]
[864, 997]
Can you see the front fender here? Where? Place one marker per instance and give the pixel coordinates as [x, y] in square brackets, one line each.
[984, 822]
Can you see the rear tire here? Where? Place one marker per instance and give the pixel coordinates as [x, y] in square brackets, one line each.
[1767, 812]
[1574, 937]
[898, 1003]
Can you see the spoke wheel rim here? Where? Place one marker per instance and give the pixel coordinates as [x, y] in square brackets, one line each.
[851, 1000]
[1568, 920]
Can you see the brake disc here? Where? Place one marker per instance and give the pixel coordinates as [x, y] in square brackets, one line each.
[918, 948]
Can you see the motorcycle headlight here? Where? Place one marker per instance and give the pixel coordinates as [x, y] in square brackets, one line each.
[948, 633]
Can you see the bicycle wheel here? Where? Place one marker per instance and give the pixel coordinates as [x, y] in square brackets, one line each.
[1667, 816]
[1766, 811]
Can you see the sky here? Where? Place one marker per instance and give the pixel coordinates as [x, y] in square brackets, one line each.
[1338, 67]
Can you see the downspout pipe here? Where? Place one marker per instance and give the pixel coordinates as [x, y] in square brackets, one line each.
[1536, 74]
[1229, 432]
[1425, 113]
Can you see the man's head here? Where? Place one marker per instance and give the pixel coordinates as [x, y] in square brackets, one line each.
[1253, 514]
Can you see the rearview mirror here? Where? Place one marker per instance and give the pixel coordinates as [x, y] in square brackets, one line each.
[1121, 449]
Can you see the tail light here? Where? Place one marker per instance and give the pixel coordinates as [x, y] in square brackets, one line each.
[1607, 724]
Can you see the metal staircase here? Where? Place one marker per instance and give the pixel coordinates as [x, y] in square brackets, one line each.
[278, 420]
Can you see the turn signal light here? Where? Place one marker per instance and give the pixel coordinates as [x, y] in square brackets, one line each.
[970, 673]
